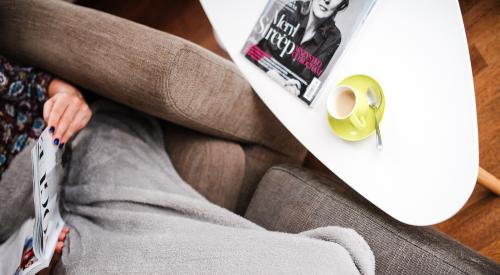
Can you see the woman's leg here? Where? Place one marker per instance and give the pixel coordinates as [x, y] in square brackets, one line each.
[129, 212]
[121, 148]
[16, 193]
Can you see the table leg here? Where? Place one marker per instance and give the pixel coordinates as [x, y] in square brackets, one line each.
[489, 181]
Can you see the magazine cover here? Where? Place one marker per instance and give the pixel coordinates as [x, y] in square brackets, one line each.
[31, 247]
[297, 43]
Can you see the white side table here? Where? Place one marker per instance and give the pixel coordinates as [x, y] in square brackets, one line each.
[417, 50]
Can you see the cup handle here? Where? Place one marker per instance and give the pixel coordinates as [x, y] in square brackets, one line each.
[358, 122]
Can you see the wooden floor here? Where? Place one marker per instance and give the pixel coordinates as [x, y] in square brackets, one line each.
[478, 223]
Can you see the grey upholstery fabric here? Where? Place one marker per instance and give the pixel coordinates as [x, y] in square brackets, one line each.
[146, 69]
[293, 199]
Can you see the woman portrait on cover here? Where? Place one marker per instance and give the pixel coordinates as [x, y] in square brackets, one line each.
[317, 37]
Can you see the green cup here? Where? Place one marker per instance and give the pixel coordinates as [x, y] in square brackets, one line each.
[347, 104]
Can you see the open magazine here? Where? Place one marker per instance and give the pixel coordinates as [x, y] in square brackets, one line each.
[297, 43]
[31, 248]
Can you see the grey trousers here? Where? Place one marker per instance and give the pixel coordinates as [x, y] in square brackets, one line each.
[129, 212]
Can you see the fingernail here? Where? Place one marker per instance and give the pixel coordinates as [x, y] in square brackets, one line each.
[52, 129]
[56, 141]
[61, 145]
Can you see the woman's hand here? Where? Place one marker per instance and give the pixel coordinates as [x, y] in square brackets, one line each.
[66, 111]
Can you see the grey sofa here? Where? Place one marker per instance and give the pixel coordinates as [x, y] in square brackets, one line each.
[222, 139]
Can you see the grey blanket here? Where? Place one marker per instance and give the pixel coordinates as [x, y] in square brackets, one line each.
[130, 212]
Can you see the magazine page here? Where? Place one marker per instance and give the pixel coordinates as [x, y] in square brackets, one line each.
[47, 176]
[16, 252]
[28, 263]
[297, 43]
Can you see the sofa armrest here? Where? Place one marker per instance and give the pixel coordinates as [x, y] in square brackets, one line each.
[293, 199]
[146, 69]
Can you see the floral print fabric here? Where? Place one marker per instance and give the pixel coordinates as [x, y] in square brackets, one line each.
[23, 91]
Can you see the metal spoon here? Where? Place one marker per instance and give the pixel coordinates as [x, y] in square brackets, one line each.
[374, 102]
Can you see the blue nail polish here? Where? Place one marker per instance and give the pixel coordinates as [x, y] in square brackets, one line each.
[52, 129]
[56, 141]
[61, 145]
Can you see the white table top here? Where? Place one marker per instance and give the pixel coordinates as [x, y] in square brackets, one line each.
[417, 51]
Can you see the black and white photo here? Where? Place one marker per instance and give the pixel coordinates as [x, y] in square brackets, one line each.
[297, 42]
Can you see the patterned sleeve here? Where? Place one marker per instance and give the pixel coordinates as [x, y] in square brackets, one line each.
[21, 83]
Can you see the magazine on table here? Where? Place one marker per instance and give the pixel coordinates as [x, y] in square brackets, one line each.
[30, 249]
[297, 43]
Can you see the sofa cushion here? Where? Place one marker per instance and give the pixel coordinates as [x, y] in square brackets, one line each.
[214, 167]
[294, 199]
[258, 160]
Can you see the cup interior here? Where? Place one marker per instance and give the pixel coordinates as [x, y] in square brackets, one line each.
[341, 102]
